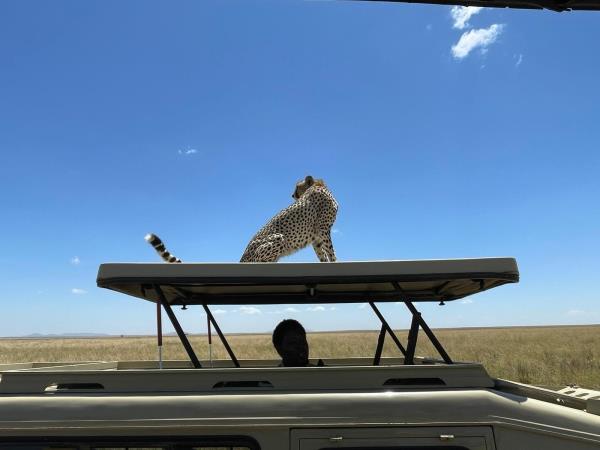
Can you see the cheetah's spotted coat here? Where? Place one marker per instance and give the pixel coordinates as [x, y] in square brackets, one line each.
[306, 221]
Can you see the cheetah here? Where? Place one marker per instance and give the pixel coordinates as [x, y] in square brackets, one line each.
[306, 221]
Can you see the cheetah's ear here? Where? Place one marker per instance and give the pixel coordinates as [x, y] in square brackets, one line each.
[309, 180]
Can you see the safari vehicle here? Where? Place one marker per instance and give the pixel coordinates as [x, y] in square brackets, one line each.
[406, 402]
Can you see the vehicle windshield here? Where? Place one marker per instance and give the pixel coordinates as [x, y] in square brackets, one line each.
[324, 132]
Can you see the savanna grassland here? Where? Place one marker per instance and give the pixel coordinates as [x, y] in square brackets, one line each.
[545, 356]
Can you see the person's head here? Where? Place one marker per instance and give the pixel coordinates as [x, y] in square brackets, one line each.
[289, 339]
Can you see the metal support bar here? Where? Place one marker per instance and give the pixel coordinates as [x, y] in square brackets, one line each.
[178, 329]
[159, 336]
[409, 359]
[429, 333]
[388, 328]
[221, 336]
[379, 349]
[209, 341]
[424, 325]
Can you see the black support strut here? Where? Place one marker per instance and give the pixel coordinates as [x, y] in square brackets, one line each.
[416, 314]
[178, 329]
[221, 336]
[429, 333]
[413, 333]
[387, 327]
[379, 349]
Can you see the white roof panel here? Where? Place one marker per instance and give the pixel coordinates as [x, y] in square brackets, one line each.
[280, 283]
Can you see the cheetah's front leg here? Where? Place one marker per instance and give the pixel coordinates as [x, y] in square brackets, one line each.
[320, 251]
[324, 248]
[328, 246]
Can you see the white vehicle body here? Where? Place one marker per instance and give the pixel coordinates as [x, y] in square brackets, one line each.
[408, 403]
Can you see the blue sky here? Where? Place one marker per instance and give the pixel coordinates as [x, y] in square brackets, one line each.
[442, 134]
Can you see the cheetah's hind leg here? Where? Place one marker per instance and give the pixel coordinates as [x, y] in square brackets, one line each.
[270, 250]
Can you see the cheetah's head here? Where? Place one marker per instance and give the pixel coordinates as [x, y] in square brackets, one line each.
[302, 186]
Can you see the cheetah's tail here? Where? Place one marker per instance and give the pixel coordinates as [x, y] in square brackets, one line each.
[160, 248]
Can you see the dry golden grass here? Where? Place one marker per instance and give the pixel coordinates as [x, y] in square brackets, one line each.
[544, 356]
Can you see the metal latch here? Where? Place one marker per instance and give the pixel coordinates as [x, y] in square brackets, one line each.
[336, 439]
[446, 437]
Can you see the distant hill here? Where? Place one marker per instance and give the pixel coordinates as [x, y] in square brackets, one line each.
[63, 335]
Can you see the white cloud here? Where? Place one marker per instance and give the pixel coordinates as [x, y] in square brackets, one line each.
[473, 39]
[315, 308]
[188, 151]
[466, 301]
[333, 308]
[335, 231]
[428, 27]
[250, 310]
[78, 291]
[219, 311]
[519, 59]
[291, 310]
[75, 260]
[462, 14]
[575, 312]
[363, 305]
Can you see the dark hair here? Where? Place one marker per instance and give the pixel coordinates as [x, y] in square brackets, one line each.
[283, 327]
